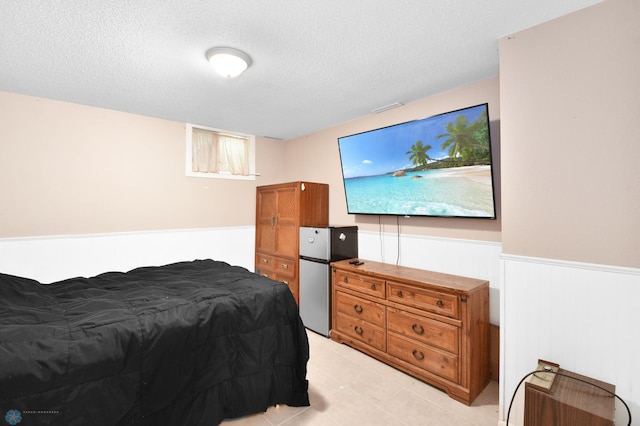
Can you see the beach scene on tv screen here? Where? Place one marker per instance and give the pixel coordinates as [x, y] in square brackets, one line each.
[438, 166]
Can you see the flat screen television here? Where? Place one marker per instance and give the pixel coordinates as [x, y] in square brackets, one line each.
[437, 166]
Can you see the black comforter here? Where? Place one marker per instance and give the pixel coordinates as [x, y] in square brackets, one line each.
[190, 343]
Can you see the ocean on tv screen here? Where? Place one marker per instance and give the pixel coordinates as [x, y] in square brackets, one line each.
[460, 192]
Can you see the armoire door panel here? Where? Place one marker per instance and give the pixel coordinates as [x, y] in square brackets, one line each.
[287, 241]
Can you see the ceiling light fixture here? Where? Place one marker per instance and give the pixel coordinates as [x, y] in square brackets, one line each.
[227, 61]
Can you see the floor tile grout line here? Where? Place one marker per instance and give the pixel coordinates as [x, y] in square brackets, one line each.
[292, 417]
[381, 408]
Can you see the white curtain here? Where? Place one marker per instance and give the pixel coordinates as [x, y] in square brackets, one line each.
[204, 153]
[234, 155]
[215, 153]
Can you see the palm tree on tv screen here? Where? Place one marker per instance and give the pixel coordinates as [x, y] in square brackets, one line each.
[418, 154]
[466, 143]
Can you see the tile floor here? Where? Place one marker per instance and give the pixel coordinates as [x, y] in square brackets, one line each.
[347, 387]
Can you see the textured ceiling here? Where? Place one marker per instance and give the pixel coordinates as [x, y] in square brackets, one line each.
[315, 63]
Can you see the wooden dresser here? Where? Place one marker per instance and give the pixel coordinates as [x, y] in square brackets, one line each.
[281, 210]
[430, 325]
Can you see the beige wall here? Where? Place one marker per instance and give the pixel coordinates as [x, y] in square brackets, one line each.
[564, 128]
[570, 100]
[73, 169]
[315, 157]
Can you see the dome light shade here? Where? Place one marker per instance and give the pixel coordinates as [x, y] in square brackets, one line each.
[227, 61]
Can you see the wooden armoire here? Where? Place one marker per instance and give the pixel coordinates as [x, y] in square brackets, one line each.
[281, 210]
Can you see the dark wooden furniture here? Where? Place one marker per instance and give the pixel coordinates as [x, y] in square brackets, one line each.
[570, 403]
[430, 325]
[281, 209]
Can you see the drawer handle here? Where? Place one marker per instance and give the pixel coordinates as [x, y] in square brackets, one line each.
[440, 304]
[418, 329]
[286, 282]
[357, 308]
[373, 287]
[400, 293]
[284, 266]
[358, 330]
[264, 261]
[345, 279]
[418, 355]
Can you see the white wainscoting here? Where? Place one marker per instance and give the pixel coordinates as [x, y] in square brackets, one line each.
[584, 317]
[470, 258]
[49, 259]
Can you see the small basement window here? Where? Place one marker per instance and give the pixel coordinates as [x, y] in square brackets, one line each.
[215, 153]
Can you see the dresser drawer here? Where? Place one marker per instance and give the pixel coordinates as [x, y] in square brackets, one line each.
[425, 330]
[426, 357]
[362, 331]
[265, 264]
[361, 283]
[440, 303]
[362, 309]
[285, 267]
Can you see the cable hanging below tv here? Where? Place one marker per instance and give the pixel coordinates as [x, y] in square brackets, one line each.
[439, 166]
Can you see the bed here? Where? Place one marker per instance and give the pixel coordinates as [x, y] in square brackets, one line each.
[189, 343]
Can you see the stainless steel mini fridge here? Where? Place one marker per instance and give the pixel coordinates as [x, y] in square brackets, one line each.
[319, 247]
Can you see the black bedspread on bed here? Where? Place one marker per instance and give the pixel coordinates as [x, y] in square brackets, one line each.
[190, 343]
